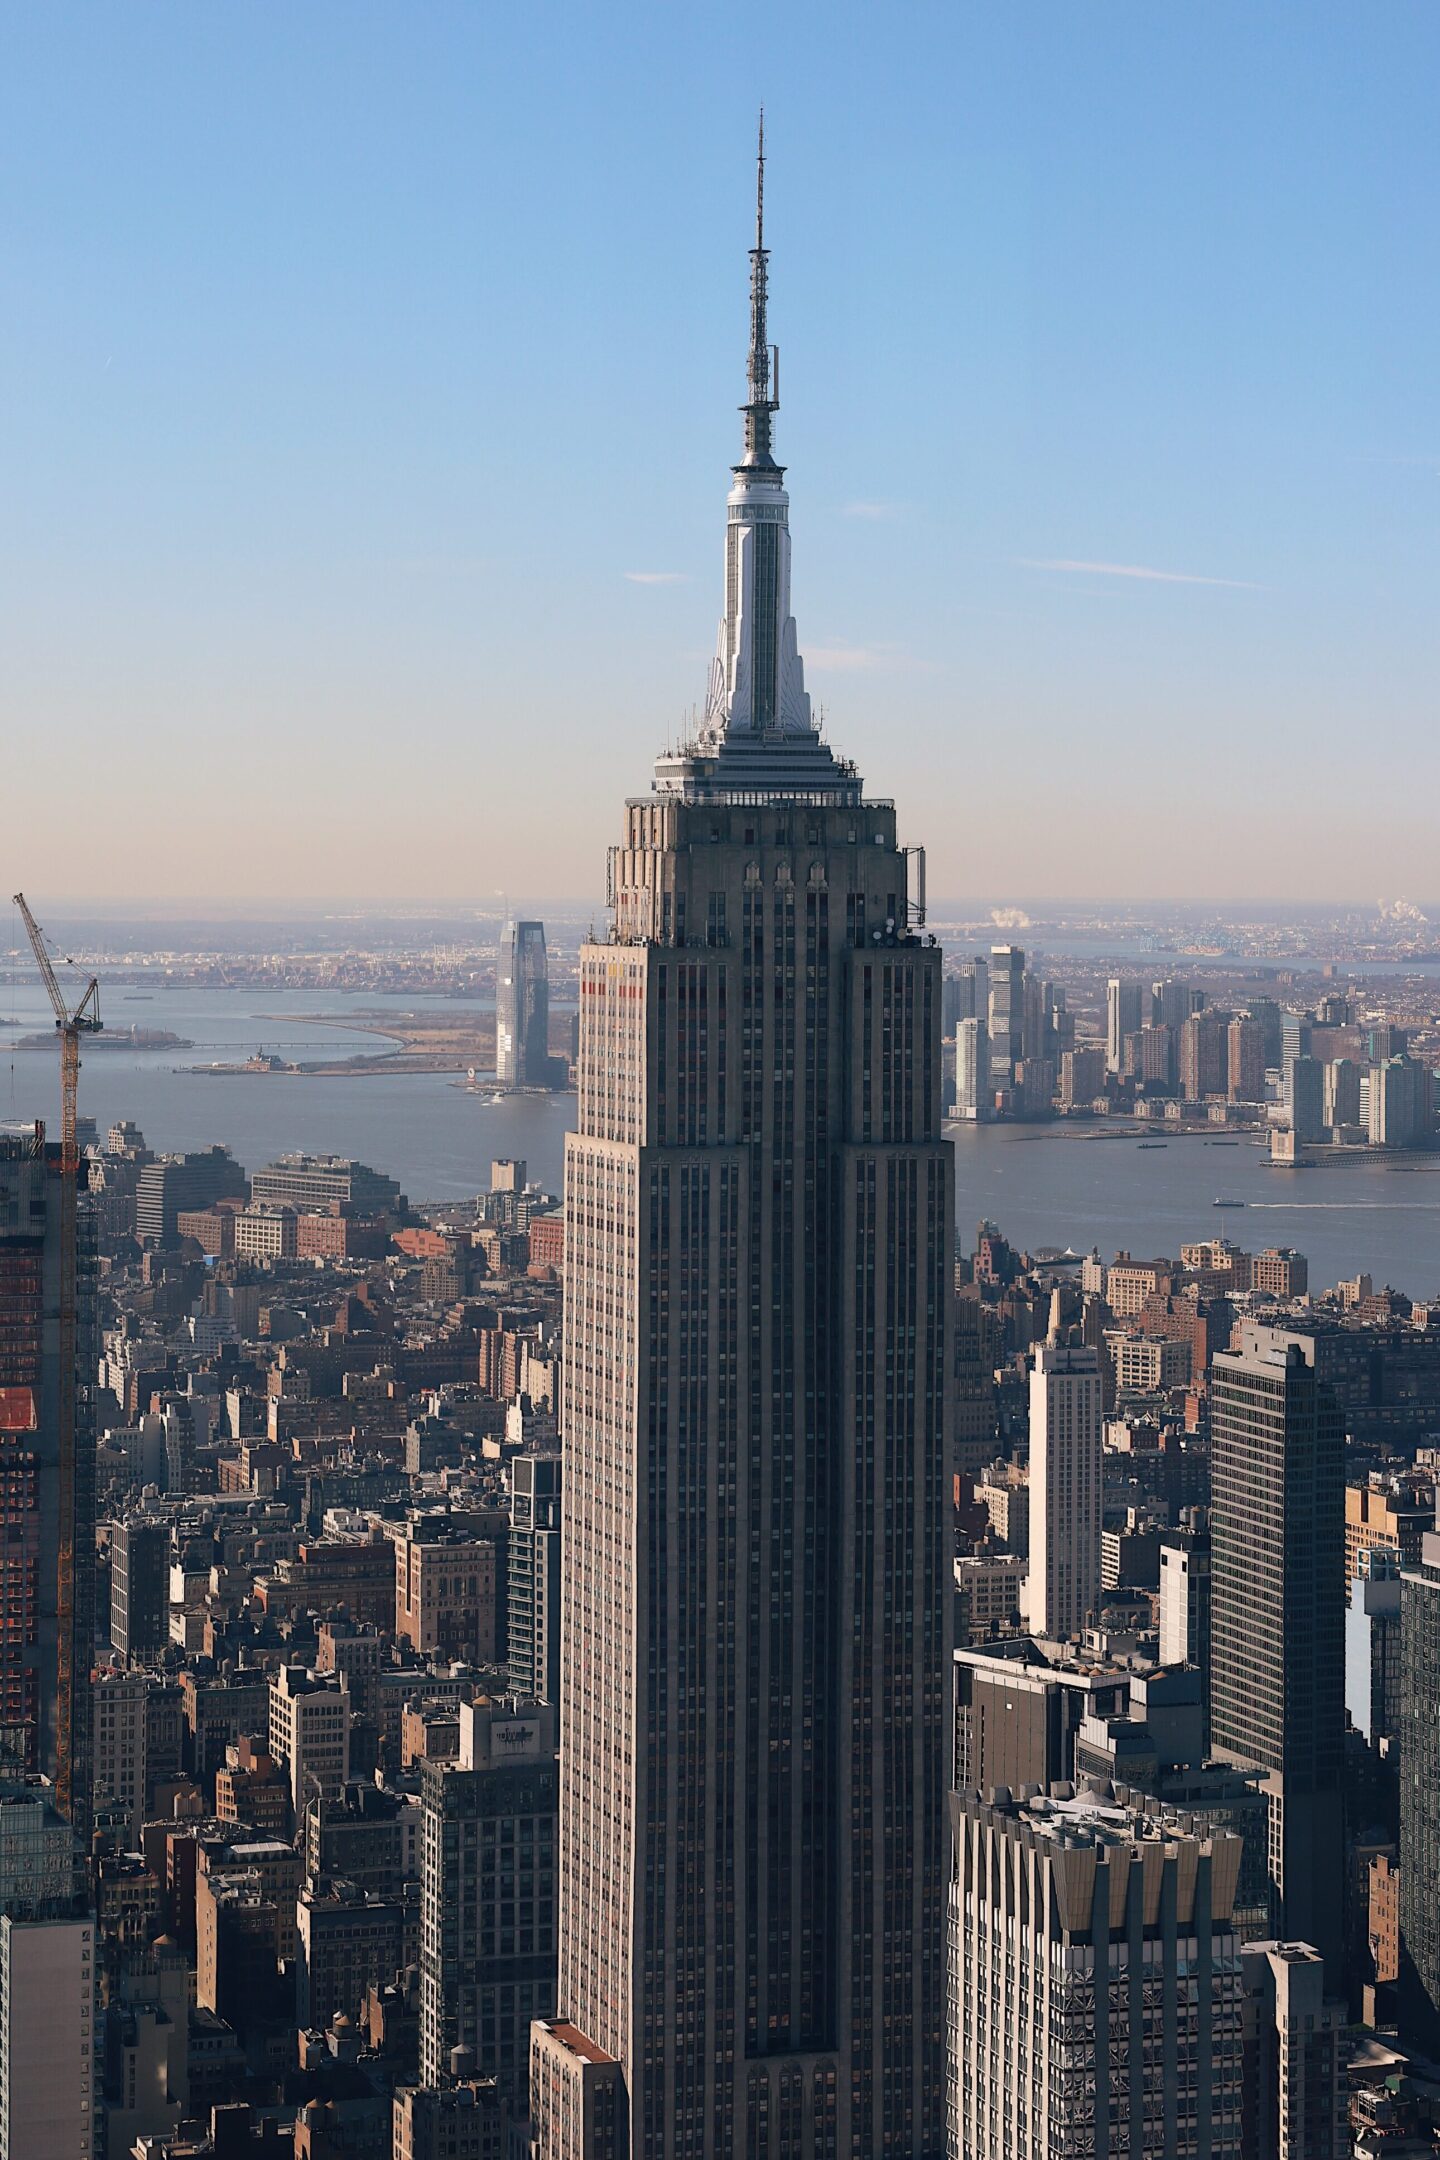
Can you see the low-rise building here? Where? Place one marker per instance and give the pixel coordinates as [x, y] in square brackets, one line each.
[310, 1732]
[576, 2096]
[446, 1591]
[1281, 1272]
[463, 2121]
[265, 1232]
[346, 1938]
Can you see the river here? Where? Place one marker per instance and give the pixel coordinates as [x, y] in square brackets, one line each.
[1058, 1185]
[1044, 1185]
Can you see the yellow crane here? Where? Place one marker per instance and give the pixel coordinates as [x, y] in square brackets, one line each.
[71, 1023]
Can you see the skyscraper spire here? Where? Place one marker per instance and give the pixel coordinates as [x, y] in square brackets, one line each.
[760, 404]
[757, 682]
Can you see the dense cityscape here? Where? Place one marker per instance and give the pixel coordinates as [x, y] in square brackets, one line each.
[713, 1643]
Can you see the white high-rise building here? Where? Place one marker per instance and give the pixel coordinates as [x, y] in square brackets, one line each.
[1066, 1489]
[1095, 1998]
[1007, 1012]
[972, 1069]
[1185, 1599]
[1124, 1005]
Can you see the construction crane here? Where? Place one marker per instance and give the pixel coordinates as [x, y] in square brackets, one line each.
[71, 1022]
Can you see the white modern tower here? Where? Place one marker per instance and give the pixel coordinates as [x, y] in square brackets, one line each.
[1066, 1489]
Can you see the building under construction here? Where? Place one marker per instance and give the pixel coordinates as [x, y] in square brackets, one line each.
[44, 1693]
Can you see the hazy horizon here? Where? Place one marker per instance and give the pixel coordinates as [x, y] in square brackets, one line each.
[977, 908]
[370, 398]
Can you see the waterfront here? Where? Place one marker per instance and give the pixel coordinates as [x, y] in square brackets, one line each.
[1045, 1185]
[436, 1138]
[1083, 1186]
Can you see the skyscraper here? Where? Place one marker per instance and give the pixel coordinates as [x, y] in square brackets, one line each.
[1095, 1975]
[522, 1007]
[1245, 1060]
[972, 1070]
[1305, 1097]
[1123, 1001]
[1401, 1108]
[139, 1585]
[1204, 1056]
[48, 1972]
[1277, 1673]
[487, 1954]
[1341, 1099]
[1007, 1012]
[1372, 1645]
[45, 1609]
[756, 1556]
[1420, 1798]
[532, 1614]
[1066, 1489]
[1185, 1595]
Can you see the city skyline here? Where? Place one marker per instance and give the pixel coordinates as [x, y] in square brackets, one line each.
[1157, 437]
[758, 1248]
[828, 1606]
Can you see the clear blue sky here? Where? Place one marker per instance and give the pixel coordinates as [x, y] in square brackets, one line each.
[356, 357]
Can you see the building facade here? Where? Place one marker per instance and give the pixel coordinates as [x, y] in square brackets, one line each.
[1294, 2102]
[48, 1979]
[446, 1591]
[1095, 1983]
[1123, 1012]
[328, 1184]
[1277, 1619]
[757, 1584]
[488, 1891]
[532, 1606]
[522, 1007]
[1007, 1013]
[310, 1732]
[463, 2121]
[1372, 1645]
[1066, 1489]
[972, 1071]
[1185, 1599]
[47, 1541]
[177, 1185]
[1420, 1798]
[139, 1586]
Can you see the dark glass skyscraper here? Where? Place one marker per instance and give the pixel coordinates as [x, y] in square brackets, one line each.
[522, 1007]
[756, 1562]
[1277, 1614]
[139, 1586]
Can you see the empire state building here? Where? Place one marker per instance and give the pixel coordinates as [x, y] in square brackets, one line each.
[756, 1603]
